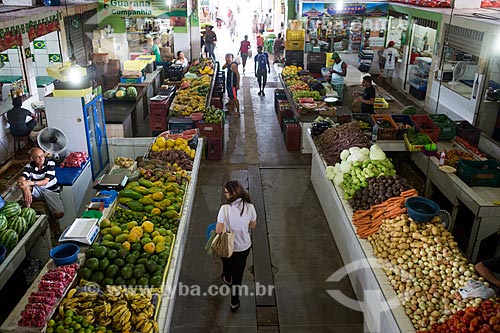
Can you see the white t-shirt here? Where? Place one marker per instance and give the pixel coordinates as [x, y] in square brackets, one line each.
[238, 224]
[390, 55]
[184, 63]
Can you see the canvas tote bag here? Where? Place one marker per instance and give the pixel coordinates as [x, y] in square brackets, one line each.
[223, 243]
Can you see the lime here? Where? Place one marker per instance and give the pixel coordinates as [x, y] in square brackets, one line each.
[69, 313]
[51, 323]
[50, 330]
[59, 329]
[68, 320]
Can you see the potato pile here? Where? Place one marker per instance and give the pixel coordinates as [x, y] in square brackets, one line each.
[174, 157]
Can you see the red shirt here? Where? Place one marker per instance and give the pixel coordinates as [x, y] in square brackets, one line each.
[260, 41]
[245, 46]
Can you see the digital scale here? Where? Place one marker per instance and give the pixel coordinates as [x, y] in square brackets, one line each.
[111, 182]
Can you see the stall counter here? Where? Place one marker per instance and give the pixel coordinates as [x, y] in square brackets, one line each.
[381, 309]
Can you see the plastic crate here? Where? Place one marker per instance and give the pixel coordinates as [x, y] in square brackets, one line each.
[380, 103]
[214, 148]
[100, 58]
[468, 132]
[424, 124]
[405, 120]
[448, 128]
[296, 35]
[292, 135]
[132, 79]
[385, 133]
[177, 125]
[217, 102]
[479, 173]
[284, 113]
[294, 45]
[158, 119]
[367, 118]
[210, 130]
[344, 115]
[411, 147]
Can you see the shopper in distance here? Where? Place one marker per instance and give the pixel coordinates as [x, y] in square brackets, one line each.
[262, 68]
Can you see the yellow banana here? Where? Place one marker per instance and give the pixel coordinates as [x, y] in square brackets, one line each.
[71, 292]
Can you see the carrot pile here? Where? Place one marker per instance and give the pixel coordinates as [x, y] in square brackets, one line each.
[368, 221]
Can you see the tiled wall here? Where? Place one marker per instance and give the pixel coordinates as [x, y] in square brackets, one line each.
[45, 49]
[11, 58]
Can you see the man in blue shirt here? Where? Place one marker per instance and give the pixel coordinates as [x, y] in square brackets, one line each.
[261, 64]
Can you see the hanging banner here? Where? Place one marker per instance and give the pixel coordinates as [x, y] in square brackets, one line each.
[318, 9]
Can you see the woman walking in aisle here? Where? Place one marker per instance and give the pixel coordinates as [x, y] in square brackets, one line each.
[238, 215]
[244, 51]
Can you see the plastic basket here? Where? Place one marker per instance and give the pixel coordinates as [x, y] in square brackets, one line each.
[479, 173]
[365, 117]
[380, 103]
[468, 132]
[385, 133]
[448, 128]
[296, 35]
[402, 119]
[210, 130]
[424, 124]
[412, 147]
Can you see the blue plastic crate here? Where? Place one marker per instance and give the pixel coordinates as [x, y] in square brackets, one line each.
[132, 80]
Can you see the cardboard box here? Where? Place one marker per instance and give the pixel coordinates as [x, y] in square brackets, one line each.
[166, 54]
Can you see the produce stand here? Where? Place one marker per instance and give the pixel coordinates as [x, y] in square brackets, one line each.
[36, 241]
[478, 199]
[175, 263]
[122, 115]
[367, 278]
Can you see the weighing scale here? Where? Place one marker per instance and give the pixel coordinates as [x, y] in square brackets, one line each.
[111, 182]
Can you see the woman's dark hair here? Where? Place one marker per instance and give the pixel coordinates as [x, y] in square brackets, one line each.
[236, 191]
[279, 35]
[16, 102]
[178, 53]
[368, 79]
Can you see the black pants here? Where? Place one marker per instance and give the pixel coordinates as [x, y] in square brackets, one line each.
[262, 78]
[233, 269]
[24, 132]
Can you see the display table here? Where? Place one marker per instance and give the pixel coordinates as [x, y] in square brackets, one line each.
[36, 242]
[76, 191]
[122, 116]
[479, 200]
[168, 298]
[380, 305]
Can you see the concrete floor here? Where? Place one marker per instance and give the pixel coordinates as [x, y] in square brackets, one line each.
[293, 249]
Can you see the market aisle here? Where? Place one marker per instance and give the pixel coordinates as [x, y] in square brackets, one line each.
[293, 249]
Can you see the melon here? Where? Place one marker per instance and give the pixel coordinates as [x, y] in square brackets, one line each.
[10, 209]
[18, 224]
[121, 94]
[9, 239]
[131, 92]
[3, 223]
[29, 215]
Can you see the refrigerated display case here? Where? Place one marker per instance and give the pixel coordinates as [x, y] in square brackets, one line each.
[419, 75]
[83, 123]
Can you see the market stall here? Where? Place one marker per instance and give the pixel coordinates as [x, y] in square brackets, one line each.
[385, 252]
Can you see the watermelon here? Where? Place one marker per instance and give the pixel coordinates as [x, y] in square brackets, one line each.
[10, 209]
[120, 94]
[29, 214]
[131, 92]
[9, 238]
[18, 224]
[110, 93]
[3, 223]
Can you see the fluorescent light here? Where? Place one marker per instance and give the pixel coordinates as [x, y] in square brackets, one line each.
[74, 75]
[339, 6]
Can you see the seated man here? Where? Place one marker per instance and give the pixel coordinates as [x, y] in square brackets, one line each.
[39, 181]
[17, 119]
[487, 268]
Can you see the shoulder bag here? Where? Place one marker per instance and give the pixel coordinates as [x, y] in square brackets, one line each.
[223, 243]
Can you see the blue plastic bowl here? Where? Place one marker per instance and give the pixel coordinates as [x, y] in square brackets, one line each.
[422, 209]
[3, 252]
[65, 254]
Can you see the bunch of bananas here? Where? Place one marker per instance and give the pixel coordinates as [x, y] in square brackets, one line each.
[117, 307]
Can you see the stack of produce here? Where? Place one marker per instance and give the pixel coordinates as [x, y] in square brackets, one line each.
[416, 138]
[291, 70]
[213, 115]
[129, 254]
[121, 93]
[378, 190]
[303, 93]
[482, 319]
[334, 140]
[468, 146]
[199, 65]
[368, 221]
[320, 125]
[357, 165]
[51, 288]
[75, 160]
[192, 96]
[455, 155]
[425, 267]
[179, 145]
[14, 223]
[124, 162]
[114, 308]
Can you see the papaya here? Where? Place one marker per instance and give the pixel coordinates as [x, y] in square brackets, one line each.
[156, 211]
[131, 185]
[153, 190]
[136, 206]
[132, 224]
[146, 201]
[149, 247]
[140, 189]
[130, 194]
[148, 208]
[160, 247]
[137, 230]
[148, 227]
[124, 200]
[158, 196]
[121, 238]
[126, 244]
[134, 237]
[145, 183]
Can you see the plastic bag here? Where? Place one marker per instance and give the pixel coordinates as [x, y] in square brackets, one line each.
[475, 289]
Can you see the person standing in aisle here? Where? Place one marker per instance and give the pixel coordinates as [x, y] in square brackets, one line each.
[262, 68]
[238, 216]
[232, 84]
[231, 24]
[367, 99]
[278, 47]
[260, 40]
[244, 51]
[390, 57]
[155, 50]
[255, 26]
[338, 72]
[210, 40]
